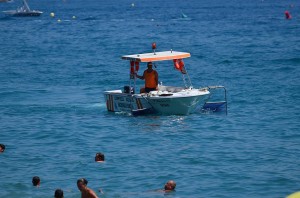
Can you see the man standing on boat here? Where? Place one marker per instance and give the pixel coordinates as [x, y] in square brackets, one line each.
[151, 78]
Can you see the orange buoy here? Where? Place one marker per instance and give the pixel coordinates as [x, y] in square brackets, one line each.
[287, 15]
[153, 45]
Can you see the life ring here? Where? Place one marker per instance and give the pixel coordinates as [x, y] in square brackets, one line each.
[181, 64]
[176, 64]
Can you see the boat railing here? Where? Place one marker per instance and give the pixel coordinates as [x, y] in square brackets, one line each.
[216, 105]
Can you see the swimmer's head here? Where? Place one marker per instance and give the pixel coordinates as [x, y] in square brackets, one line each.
[81, 183]
[2, 148]
[170, 185]
[36, 181]
[59, 193]
[99, 157]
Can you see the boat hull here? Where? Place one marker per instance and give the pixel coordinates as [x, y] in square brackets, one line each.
[23, 14]
[116, 101]
[177, 105]
[155, 102]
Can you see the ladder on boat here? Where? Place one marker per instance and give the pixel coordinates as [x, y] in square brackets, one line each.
[216, 106]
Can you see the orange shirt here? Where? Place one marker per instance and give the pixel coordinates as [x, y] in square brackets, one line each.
[150, 81]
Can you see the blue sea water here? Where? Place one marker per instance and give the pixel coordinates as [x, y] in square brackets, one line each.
[53, 117]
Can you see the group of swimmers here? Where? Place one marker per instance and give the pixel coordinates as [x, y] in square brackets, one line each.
[82, 182]
[59, 193]
[89, 193]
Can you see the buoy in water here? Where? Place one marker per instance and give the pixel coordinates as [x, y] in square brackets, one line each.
[287, 15]
[58, 20]
[52, 14]
[73, 17]
[132, 5]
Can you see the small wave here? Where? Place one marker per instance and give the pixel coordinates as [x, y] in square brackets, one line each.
[182, 19]
[141, 19]
[96, 105]
[122, 113]
[225, 62]
[90, 18]
[118, 20]
[286, 68]
[7, 18]
[289, 60]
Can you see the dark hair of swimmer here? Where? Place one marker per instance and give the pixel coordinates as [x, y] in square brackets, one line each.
[36, 181]
[59, 193]
[82, 180]
[2, 148]
[99, 157]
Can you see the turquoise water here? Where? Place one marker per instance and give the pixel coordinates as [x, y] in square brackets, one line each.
[53, 117]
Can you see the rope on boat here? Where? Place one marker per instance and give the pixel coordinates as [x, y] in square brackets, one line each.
[184, 79]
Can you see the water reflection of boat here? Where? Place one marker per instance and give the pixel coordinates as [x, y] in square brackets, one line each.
[168, 100]
[23, 11]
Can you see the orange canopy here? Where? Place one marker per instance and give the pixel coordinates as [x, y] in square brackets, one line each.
[157, 56]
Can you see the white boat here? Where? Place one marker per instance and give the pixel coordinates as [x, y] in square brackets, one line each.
[23, 11]
[169, 100]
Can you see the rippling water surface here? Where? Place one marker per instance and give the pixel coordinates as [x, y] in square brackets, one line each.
[53, 117]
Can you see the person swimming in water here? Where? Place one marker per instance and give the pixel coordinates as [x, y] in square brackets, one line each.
[170, 186]
[58, 193]
[99, 157]
[2, 148]
[36, 181]
[85, 191]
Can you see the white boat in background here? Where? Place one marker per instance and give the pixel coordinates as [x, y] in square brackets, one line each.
[168, 100]
[23, 11]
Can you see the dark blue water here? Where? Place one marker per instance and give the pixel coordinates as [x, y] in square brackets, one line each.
[53, 117]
